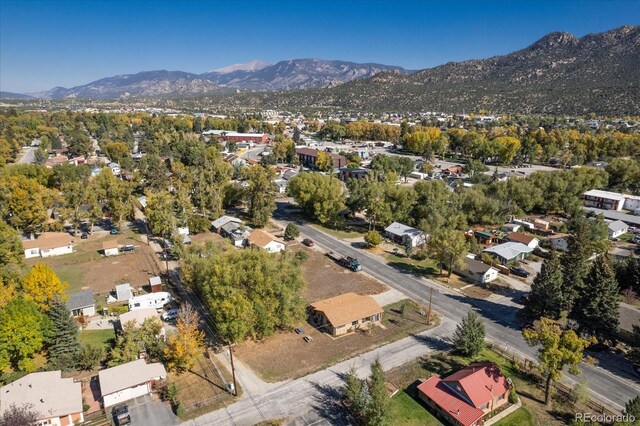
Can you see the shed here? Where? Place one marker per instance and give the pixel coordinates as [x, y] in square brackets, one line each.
[155, 283]
[124, 292]
[81, 303]
[111, 248]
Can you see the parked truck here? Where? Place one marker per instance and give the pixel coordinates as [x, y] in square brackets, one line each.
[346, 261]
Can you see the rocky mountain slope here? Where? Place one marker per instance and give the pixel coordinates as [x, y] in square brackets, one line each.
[559, 73]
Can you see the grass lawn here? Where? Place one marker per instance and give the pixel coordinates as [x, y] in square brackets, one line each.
[404, 410]
[520, 417]
[99, 337]
[425, 268]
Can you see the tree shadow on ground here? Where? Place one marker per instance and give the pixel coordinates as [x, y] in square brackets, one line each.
[326, 402]
[504, 315]
[434, 342]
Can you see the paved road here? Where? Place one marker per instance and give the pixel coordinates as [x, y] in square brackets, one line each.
[613, 382]
[314, 399]
[29, 156]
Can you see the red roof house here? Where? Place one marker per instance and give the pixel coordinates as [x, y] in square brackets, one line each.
[466, 396]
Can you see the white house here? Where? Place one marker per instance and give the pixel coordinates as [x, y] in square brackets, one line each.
[115, 168]
[111, 248]
[476, 271]
[262, 239]
[559, 243]
[57, 401]
[81, 303]
[280, 185]
[511, 227]
[128, 381]
[631, 202]
[617, 228]
[48, 244]
[403, 234]
[151, 300]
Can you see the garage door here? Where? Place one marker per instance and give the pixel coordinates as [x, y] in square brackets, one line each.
[125, 395]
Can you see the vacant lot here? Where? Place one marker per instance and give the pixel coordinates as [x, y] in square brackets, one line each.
[325, 278]
[203, 388]
[286, 355]
[88, 268]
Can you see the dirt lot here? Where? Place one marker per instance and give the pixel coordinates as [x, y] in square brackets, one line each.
[326, 279]
[202, 389]
[88, 268]
[287, 356]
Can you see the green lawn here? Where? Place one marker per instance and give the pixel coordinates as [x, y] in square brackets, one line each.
[99, 337]
[427, 267]
[404, 410]
[520, 417]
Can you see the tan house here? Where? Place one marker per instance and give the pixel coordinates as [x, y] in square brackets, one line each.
[48, 244]
[57, 401]
[345, 313]
[265, 240]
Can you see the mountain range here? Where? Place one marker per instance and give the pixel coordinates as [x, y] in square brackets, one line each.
[558, 74]
[256, 75]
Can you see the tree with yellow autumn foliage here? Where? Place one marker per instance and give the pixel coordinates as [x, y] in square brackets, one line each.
[184, 346]
[42, 286]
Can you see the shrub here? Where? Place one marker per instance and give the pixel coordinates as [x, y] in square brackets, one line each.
[513, 396]
[301, 256]
[198, 224]
[580, 393]
[373, 238]
[420, 255]
[291, 232]
[180, 410]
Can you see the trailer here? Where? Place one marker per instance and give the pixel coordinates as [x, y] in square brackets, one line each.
[346, 261]
[152, 300]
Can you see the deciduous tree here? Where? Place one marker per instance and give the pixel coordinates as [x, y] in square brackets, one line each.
[261, 194]
[319, 195]
[23, 331]
[42, 286]
[184, 346]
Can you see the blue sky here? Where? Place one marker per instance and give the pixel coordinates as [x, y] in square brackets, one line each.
[66, 43]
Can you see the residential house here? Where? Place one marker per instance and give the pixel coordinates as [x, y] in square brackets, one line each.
[280, 185]
[631, 202]
[405, 235]
[264, 240]
[48, 244]
[527, 225]
[511, 227]
[347, 312]
[236, 232]
[527, 240]
[81, 303]
[115, 168]
[510, 252]
[540, 224]
[347, 173]
[308, 158]
[559, 243]
[186, 239]
[221, 221]
[111, 248]
[137, 317]
[476, 271]
[288, 174]
[484, 237]
[57, 401]
[465, 397]
[617, 228]
[603, 200]
[128, 381]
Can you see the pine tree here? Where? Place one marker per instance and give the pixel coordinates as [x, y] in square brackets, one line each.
[355, 395]
[596, 308]
[469, 336]
[545, 298]
[64, 346]
[378, 396]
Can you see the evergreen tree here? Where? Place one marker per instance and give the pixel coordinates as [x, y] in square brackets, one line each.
[378, 396]
[291, 232]
[596, 308]
[64, 345]
[355, 395]
[469, 336]
[575, 263]
[545, 298]
[632, 407]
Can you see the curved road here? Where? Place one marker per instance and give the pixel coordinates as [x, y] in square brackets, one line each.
[609, 382]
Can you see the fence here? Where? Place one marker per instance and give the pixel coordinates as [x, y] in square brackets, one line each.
[560, 388]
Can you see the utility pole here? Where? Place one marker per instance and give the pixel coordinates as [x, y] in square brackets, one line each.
[429, 312]
[233, 371]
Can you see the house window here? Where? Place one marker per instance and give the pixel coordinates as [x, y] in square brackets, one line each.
[136, 305]
[484, 407]
[34, 251]
[377, 317]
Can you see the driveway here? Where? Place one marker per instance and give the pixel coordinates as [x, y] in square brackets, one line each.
[148, 410]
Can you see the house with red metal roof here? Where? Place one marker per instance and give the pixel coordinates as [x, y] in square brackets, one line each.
[468, 395]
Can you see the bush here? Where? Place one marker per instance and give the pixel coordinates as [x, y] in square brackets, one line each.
[580, 393]
[301, 256]
[90, 356]
[198, 224]
[373, 238]
[420, 255]
[117, 310]
[513, 396]
[180, 410]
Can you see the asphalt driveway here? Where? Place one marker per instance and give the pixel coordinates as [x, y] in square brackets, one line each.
[148, 410]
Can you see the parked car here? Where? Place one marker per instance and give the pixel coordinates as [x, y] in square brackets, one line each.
[519, 272]
[127, 248]
[170, 315]
[84, 236]
[307, 242]
[120, 415]
[114, 231]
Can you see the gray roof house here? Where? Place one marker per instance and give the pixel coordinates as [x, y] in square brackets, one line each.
[509, 252]
[127, 381]
[221, 221]
[617, 228]
[403, 234]
[81, 303]
[237, 233]
[476, 271]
